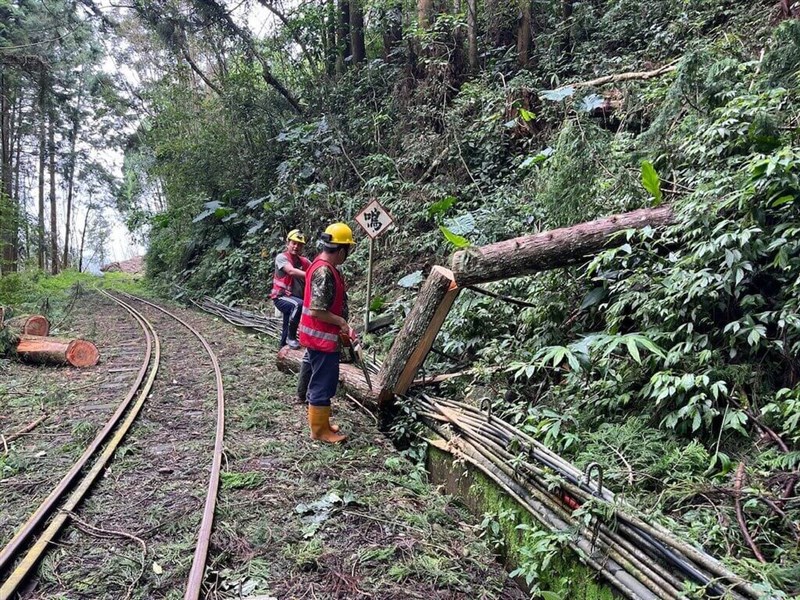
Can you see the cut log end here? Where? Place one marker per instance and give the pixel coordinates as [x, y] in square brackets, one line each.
[58, 351]
[81, 353]
[36, 325]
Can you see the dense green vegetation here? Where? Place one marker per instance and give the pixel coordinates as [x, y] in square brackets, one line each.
[671, 359]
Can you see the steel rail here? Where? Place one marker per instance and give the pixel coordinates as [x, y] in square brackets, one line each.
[197, 571]
[38, 548]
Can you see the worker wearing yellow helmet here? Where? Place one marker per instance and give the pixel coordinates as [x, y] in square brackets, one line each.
[324, 318]
[288, 284]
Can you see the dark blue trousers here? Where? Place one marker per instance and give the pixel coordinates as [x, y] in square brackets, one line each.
[291, 307]
[324, 377]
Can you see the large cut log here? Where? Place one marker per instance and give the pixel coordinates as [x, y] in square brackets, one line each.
[418, 333]
[60, 351]
[350, 376]
[28, 325]
[550, 249]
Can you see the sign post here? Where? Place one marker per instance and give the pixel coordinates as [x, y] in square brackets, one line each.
[374, 220]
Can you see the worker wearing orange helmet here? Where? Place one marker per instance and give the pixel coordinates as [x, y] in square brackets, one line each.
[288, 284]
[324, 317]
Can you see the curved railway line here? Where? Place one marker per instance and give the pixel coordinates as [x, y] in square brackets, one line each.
[22, 554]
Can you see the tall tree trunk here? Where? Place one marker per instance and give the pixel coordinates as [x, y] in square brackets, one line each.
[18, 199]
[393, 27]
[357, 31]
[472, 35]
[342, 36]
[42, 155]
[566, 44]
[424, 9]
[51, 154]
[331, 21]
[83, 236]
[7, 221]
[524, 33]
[73, 139]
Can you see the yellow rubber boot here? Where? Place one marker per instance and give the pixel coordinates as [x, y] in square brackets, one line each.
[319, 421]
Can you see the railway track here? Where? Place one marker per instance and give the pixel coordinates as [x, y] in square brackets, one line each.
[33, 539]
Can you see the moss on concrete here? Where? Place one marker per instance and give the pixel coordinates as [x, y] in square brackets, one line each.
[566, 575]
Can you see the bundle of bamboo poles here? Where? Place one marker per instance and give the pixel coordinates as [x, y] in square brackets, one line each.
[258, 322]
[242, 318]
[639, 559]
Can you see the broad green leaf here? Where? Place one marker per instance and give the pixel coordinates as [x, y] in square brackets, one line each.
[591, 102]
[651, 181]
[411, 280]
[442, 206]
[203, 215]
[526, 115]
[456, 240]
[781, 201]
[633, 350]
[594, 297]
[557, 95]
[462, 224]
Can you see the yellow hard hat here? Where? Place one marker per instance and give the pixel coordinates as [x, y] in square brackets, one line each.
[338, 233]
[295, 235]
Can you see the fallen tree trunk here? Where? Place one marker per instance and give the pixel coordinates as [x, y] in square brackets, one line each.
[59, 351]
[350, 376]
[550, 249]
[28, 325]
[418, 333]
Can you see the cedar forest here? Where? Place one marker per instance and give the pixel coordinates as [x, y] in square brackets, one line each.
[671, 358]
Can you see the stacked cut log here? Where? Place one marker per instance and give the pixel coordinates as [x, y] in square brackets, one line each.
[29, 325]
[51, 350]
[29, 334]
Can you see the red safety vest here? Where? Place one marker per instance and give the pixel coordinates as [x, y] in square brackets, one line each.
[282, 286]
[316, 334]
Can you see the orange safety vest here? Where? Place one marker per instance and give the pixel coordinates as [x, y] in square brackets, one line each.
[282, 286]
[316, 334]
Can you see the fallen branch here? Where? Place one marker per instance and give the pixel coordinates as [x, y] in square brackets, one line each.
[737, 486]
[632, 75]
[29, 427]
[108, 534]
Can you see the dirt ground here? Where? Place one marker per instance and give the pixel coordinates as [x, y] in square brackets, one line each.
[295, 518]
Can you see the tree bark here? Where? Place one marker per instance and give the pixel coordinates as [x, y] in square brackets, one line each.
[83, 237]
[357, 31]
[58, 351]
[418, 333]
[524, 33]
[42, 155]
[424, 8]
[393, 28]
[73, 140]
[550, 249]
[7, 209]
[350, 376]
[331, 53]
[472, 35]
[342, 36]
[51, 154]
[566, 43]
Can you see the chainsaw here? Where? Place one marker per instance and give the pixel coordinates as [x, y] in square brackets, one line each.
[351, 353]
